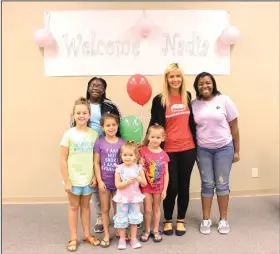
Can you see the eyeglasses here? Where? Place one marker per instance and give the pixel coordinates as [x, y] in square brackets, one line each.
[98, 86]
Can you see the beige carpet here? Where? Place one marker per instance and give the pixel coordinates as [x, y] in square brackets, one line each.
[43, 229]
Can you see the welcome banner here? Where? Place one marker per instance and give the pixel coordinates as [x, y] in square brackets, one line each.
[125, 42]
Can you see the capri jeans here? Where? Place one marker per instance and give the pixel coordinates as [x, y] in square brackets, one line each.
[127, 214]
[214, 168]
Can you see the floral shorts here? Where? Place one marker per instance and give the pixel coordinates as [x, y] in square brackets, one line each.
[128, 213]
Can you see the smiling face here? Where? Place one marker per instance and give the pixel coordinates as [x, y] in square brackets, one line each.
[175, 79]
[96, 89]
[205, 87]
[155, 137]
[128, 156]
[81, 115]
[110, 127]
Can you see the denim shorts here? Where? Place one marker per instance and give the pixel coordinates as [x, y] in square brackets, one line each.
[214, 167]
[81, 191]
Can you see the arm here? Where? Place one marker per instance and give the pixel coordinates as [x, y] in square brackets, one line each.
[235, 135]
[142, 179]
[97, 172]
[192, 123]
[118, 181]
[166, 181]
[154, 114]
[64, 167]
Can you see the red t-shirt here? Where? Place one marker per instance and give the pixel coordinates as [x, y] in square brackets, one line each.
[178, 134]
[154, 168]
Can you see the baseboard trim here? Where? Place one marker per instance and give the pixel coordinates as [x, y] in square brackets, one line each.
[193, 195]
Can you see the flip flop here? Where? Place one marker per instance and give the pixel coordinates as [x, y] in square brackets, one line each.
[156, 237]
[104, 243]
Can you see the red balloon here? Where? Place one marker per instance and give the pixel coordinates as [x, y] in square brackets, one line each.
[139, 89]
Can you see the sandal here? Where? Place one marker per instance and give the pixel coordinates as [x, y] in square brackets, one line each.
[180, 232]
[145, 236]
[167, 231]
[104, 243]
[92, 240]
[72, 245]
[156, 237]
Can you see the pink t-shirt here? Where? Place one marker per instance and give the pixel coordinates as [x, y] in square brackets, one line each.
[154, 168]
[212, 121]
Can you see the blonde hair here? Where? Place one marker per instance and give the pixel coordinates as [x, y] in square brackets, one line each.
[81, 101]
[166, 88]
[156, 126]
[130, 144]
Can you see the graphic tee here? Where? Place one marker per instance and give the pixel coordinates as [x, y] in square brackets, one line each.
[109, 159]
[80, 156]
[178, 134]
[154, 168]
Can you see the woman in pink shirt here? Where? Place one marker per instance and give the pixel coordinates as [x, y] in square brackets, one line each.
[217, 138]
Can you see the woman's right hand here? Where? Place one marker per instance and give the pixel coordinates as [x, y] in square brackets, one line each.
[68, 187]
[102, 186]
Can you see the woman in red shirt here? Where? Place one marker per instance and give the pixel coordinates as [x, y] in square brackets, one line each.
[172, 110]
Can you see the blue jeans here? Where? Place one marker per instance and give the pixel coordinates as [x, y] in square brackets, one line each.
[96, 201]
[214, 168]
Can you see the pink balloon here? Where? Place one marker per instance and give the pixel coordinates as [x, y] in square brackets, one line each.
[145, 31]
[230, 35]
[43, 38]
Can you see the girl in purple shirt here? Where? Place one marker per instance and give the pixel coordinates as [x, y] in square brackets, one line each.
[106, 157]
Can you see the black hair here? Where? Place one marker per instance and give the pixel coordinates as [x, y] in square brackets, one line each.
[103, 82]
[202, 75]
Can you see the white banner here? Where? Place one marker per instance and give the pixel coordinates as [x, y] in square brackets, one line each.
[126, 42]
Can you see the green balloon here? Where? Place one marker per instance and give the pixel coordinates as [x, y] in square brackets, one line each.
[131, 128]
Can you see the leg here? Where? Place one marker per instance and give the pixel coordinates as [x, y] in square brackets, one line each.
[185, 165]
[85, 214]
[73, 210]
[121, 223]
[205, 166]
[172, 190]
[85, 218]
[135, 217]
[222, 165]
[156, 213]
[98, 228]
[148, 201]
[105, 208]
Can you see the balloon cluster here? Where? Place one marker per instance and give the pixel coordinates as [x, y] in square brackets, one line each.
[139, 91]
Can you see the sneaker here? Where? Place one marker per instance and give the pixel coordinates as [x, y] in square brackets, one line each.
[223, 227]
[98, 228]
[135, 243]
[122, 244]
[205, 227]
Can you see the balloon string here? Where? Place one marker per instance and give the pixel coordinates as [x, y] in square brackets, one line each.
[47, 20]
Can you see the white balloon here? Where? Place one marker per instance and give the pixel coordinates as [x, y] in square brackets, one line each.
[230, 35]
[43, 38]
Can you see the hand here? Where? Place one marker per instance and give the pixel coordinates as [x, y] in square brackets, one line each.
[163, 195]
[68, 187]
[93, 182]
[102, 186]
[236, 157]
[131, 180]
